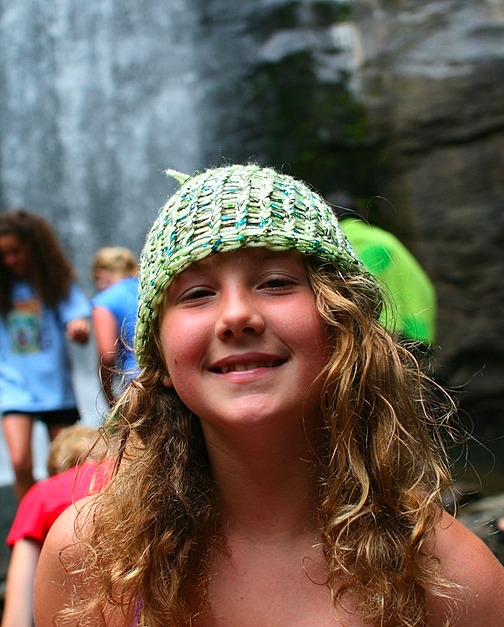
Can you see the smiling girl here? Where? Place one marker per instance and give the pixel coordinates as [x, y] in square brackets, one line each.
[279, 461]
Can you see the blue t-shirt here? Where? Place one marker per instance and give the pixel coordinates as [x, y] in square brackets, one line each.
[121, 299]
[35, 369]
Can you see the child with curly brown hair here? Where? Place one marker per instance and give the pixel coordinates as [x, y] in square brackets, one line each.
[41, 307]
[278, 458]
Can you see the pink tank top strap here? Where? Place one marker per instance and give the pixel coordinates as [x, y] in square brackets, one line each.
[138, 611]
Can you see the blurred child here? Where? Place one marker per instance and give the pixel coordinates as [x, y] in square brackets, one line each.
[114, 315]
[41, 308]
[73, 474]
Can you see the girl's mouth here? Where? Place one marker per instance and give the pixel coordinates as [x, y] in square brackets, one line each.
[253, 365]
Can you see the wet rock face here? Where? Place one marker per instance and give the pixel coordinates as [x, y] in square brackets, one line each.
[432, 81]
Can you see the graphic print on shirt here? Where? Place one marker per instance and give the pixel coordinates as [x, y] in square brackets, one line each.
[24, 325]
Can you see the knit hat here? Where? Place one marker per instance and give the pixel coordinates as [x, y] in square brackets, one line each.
[227, 208]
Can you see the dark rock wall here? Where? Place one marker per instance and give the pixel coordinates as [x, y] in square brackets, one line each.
[432, 79]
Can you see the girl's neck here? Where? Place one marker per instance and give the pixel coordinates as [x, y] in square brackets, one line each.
[266, 491]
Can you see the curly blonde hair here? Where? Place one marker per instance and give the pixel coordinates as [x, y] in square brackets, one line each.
[385, 462]
[382, 467]
[72, 446]
[115, 259]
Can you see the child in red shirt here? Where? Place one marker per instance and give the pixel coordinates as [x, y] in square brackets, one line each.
[69, 481]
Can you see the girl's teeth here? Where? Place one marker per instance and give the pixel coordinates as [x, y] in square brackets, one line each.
[243, 367]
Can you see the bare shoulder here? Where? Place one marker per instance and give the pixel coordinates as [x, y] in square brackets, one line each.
[469, 563]
[62, 534]
[61, 553]
[61, 576]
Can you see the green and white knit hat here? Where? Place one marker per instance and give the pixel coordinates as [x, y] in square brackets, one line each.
[227, 208]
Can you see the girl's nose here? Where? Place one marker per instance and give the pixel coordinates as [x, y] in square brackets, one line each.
[239, 314]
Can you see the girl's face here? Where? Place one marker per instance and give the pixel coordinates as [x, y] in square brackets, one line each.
[105, 278]
[14, 255]
[243, 341]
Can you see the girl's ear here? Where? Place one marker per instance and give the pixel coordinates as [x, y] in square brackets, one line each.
[166, 381]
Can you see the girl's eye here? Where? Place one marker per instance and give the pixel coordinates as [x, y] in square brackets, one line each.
[196, 293]
[277, 283]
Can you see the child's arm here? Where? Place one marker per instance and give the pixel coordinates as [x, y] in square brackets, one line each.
[466, 560]
[18, 606]
[107, 335]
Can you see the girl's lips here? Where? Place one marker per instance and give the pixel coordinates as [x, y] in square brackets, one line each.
[244, 366]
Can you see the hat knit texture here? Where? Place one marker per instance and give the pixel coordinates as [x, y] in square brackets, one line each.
[227, 208]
